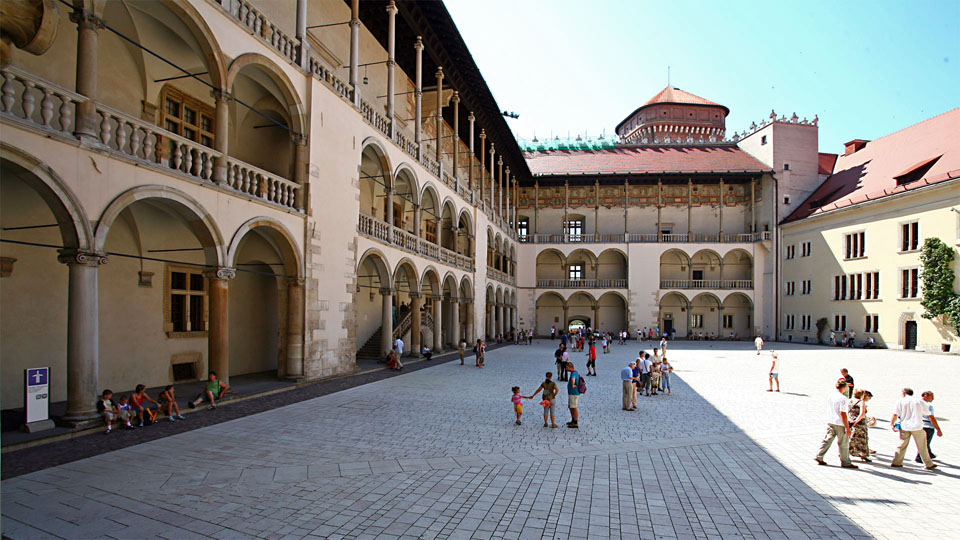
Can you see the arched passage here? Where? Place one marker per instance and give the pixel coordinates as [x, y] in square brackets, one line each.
[674, 266]
[551, 266]
[465, 238]
[704, 266]
[551, 312]
[737, 265]
[612, 265]
[611, 313]
[466, 307]
[375, 182]
[374, 305]
[448, 224]
[405, 201]
[582, 307]
[430, 215]
[705, 315]
[737, 316]
[672, 314]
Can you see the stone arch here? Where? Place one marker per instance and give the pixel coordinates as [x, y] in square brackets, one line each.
[430, 213]
[200, 221]
[448, 224]
[379, 262]
[279, 236]
[466, 288]
[404, 169]
[408, 269]
[75, 229]
[271, 69]
[612, 264]
[737, 264]
[430, 282]
[612, 312]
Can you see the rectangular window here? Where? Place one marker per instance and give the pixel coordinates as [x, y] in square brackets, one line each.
[807, 285]
[805, 249]
[910, 236]
[871, 323]
[843, 287]
[836, 287]
[575, 272]
[430, 231]
[575, 230]
[728, 321]
[788, 324]
[791, 288]
[185, 301]
[696, 321]
[859, 287]
[872, 291]
[839, 322]
[523, 227]
[186, 116]
[855, 245]
[805, 322]
[909, 283]
[791, 251]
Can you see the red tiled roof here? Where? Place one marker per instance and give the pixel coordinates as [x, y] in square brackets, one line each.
[644, 160]
[672, 94]
[869, 173]
[826, 163]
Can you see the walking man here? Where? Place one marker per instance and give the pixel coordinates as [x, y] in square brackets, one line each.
[398, 347]
[930, 425]
[774, 374]
[838, 426]
[573, 396]
[910, 412]
[759, 344]
[847, 377]
[629, 386]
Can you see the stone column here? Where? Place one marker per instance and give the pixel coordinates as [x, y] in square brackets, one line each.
[456, 134]
[218, 329]
[221, 137]
[437, 324]
[690, 206]
[388, 215]
[391, 65]
[418, 98]
[300, 159]
[499, 201]
[386, 318]
[439, 117]
[470, 120]
[83, 334]
[491, 316]
[721, 211]
[536, 207]
[470, 337]
[497, 319]
[508, 189]
[415, 302]
[303, 50]
[416, 221]
[753, 205]
[88, 121]
[596, 317]
[493, 170]
[483, 162]
[454, 320]
[659, 209]
[295, 305]
[355, 49]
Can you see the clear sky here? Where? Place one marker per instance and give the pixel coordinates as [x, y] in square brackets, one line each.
[865, 68]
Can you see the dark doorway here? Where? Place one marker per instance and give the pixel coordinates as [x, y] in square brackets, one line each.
[668, 326]
[697, 275]
[910, 341]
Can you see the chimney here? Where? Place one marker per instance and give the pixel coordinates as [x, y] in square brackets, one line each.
[850, 147]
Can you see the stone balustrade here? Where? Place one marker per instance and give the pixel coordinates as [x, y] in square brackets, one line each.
[706, 284]
[497, 275]
[648, 238]
[582, 283]
[381, 230]
[260, 26]
[264, 185]
[58, 106]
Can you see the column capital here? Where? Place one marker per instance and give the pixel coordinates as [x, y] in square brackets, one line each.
[298, 139]
[456, 97]
[492, 148]
[86, 19]
[499, 159]
[413, 295]
[386, 291]
[471, 117]
[453, 299]
[483, 133]
[418, 45]
[221, 272]
[439, 73]
[392, 7]
[81, 257]
[507, 170]
[296, 282]
[219, 94]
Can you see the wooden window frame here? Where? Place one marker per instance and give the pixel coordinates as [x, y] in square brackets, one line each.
[186, 102]
[168, 293]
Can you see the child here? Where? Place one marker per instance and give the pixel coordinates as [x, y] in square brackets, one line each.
[462, 349]
[665, 370]
[517, 407]
[168, 404]
[107, 409]
[125, 411]
[774, 374]
[655, 374]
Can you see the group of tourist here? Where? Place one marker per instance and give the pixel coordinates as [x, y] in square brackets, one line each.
[648, 375]
[139, 407]
[849, 423]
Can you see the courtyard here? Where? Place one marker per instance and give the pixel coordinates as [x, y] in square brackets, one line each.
[436, 454]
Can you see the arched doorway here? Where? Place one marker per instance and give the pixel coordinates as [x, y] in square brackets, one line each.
[611, 313]
[737, 316]
[374, 305]
[551, 310]
[581, 306]
[672, 314]
[374, 182]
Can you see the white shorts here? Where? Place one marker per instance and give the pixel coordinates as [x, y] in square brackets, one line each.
[573, 399]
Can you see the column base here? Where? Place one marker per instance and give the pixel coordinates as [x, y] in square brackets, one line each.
[40, 425]
[81, 420]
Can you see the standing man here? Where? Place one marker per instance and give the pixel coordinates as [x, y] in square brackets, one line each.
[774, 374]
[573, 396]
[910, 412]
[849, 379]
[398, 347]
[565, 359]
[553, 333]
[629, 386]
[550, 391]
[759, 344]
[558, 357]
[838, 426]
[930, 425]
[645, 368]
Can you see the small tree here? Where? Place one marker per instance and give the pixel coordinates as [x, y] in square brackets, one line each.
[822, 325]
[939, 298]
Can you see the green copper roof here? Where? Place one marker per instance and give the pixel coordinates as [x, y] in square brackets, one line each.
[566, 144]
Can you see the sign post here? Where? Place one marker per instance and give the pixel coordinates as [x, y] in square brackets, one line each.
[37, 399]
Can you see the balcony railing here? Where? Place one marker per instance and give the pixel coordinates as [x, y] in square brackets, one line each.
[394, 236]
[726, 238]
[137, 139]
[261, 27]
[582, 283]
[497, 275]
[706, 284]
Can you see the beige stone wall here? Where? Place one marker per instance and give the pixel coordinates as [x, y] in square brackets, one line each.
[931, 207]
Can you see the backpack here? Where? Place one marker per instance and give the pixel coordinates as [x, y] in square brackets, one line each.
[581, 384]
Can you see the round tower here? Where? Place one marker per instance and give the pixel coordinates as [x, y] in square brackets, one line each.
[675, 116]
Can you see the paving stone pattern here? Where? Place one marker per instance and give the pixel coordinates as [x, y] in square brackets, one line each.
[435, 454]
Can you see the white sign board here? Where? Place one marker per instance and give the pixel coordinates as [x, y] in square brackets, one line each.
[38, 394]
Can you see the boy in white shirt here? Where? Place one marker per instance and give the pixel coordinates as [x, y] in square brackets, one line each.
[774, 374]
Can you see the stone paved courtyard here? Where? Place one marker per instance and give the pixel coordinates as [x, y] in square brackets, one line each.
[435, 454]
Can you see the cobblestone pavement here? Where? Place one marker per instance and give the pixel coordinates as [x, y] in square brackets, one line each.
[435, 454]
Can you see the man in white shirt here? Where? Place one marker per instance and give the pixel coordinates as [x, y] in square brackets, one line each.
[645, 368]
[910, 412]
[398, 347]
[759, 344]
[838, 427]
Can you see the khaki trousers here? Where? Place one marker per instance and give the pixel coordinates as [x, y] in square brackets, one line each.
[628, 394]
[843, 442]
[919, 437]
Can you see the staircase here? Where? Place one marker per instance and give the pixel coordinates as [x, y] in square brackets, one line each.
[371, 349]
